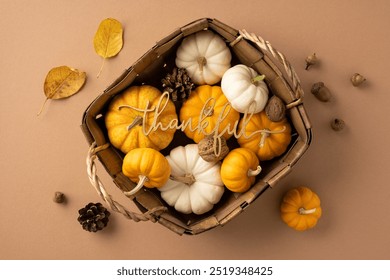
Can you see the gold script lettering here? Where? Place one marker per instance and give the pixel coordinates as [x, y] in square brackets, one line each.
[207, 110]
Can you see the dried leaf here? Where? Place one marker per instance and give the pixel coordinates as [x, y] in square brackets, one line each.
[62, 82]
[108, 39]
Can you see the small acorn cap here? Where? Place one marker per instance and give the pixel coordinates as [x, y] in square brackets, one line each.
[337, 124]
[357, 79]
[316, 87]
[59, 197]
[311, 60]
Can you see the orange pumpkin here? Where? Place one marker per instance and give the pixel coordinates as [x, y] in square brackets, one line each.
[266, 138]
[300, 208]
[125, 119]
[203, 109]
[146, 167]
[239, 169]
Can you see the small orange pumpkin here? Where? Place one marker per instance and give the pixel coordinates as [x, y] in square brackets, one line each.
[266, 138]
[125, 119]
[203, 108]
[146, 167]
[300, 208]
[239, 169]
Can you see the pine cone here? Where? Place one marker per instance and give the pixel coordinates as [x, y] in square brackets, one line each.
[178, 84]
[93, 217]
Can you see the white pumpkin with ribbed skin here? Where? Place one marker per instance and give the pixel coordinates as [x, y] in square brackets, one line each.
[195, 185]
[205, 56]
[243, 86]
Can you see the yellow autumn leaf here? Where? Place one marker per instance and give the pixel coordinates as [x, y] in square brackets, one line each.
[62, 82]
[108, 39]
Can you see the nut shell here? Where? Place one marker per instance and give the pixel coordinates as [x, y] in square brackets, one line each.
[357, 79]
[321, 92]
[275, 109]
[337, 124]
[311, 60]
[206, 149]
[59, 197]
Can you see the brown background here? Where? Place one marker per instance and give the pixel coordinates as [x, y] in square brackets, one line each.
[40, 155]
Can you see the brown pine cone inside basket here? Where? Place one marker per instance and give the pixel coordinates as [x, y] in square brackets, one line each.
[178, 84]
[93, 217]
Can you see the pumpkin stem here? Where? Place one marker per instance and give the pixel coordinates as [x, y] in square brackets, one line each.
[137, 121]
[187, 179]
[252, 173]
[202, 61]
[266, 132]
[141, 182]
[258, 78]
[209, 111]
[264, 135]
[303, 211]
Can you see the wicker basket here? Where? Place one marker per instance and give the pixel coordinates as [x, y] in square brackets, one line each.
[247, 49]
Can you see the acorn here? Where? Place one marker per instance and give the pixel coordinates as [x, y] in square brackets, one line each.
[357, 79]
[320, 91]
[311, 60]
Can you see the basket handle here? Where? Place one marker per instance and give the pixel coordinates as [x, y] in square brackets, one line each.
[267, 47]
[100, 189]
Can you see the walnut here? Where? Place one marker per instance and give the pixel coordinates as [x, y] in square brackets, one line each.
[275, 109]
[207, 151]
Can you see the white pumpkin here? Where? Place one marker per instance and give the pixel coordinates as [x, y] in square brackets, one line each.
[195, 185]
[245, 89]
[205, 56]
